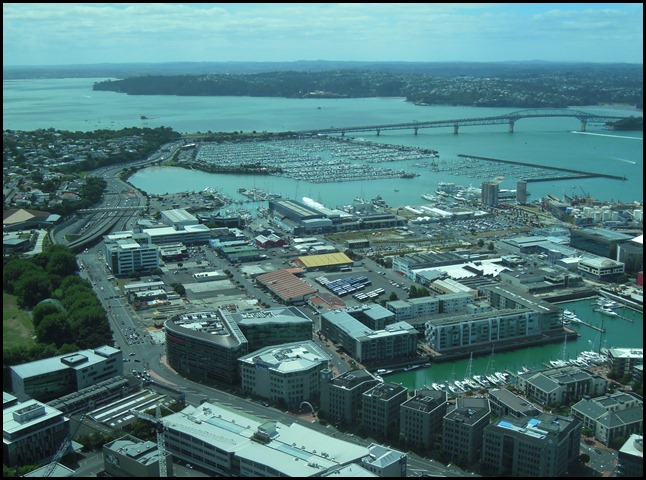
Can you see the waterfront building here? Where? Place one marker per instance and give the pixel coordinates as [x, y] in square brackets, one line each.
[127, 252]
[420, 419]
[510, 297]
[539, 446]
[341, 396]
[395, 343]
[178, 218]
[521, 191]
[32, 433]
[630, 457]
[504, 402]
[287, 374]
[380, 409]
[610, 416]
[129, 456]
[560, 386]
[54, 377]
[623, 360]
[226, 442]
[539, 280]
[468, 331]
[489, 195]
[413, 308]
[598, 241]
[205, 346]
[600, 268]
[274, 326]
[463, 427]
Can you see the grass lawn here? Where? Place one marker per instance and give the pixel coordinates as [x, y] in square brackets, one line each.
[16, 324]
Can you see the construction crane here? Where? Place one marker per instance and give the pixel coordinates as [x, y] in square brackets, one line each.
[67, 441]
[161, 442]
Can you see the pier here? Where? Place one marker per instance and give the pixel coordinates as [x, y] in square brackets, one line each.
[575, 173]
[594, 327]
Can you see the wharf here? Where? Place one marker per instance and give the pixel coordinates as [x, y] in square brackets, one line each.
[575, 173]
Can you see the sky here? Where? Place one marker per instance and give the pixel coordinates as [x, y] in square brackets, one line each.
[91, 33]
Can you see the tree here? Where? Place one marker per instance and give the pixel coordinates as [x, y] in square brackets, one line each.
[13, 270]
[61, 261]
[393, 297]
[33, 287]
[55, 329]
[43, 309]
[490, 246]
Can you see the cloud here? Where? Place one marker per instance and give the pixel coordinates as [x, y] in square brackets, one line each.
[94, 33]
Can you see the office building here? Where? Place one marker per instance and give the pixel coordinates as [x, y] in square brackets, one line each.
[630, 458]
[205, 346]
[421, 418]
[462, 429]
[32, 433]
[129, 456]
[541, 446]
[288, 374]
[610, 416]
[560, 386]
[126, 253]
[380, 409]
[341, 396]
[54, 377]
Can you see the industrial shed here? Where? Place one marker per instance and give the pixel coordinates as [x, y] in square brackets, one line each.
[326, 261]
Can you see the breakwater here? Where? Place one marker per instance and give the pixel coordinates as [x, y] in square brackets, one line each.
[574, 174]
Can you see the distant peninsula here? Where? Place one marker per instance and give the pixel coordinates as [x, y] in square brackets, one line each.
[515, 85]
[628, 124]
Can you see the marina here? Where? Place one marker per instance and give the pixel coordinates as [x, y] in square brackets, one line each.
[596, 332]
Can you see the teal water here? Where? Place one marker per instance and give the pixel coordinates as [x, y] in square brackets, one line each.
[70, 104]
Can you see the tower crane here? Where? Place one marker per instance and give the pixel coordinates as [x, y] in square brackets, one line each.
[67, 441]
[161, 442]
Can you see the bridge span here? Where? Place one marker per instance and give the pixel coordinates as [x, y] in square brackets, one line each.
[508, 119]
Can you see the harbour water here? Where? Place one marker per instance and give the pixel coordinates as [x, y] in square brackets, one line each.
[70, 104]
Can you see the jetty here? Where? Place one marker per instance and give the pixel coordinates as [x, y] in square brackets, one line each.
[573, 174]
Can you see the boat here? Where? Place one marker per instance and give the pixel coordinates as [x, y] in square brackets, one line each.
[493, 379]
[483, 382]
[559, 363]
[436, 386]
[503, 377]
[429, 197]
[472, 385]
[606, 311]
[453, 389]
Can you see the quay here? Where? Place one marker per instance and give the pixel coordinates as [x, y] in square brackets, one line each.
[594, 327]
[576, 173]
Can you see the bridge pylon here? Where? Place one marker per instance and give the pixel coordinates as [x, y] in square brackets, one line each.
[415, 128]
[511, 126]
[455, 128]
[378, 131]
[584, 125]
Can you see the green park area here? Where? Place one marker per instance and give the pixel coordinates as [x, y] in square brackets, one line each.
[17, 327]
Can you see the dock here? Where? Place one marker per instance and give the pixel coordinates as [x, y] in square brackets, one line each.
[573, 174]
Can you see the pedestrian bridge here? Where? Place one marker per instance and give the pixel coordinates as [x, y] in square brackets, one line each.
[509, 119]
